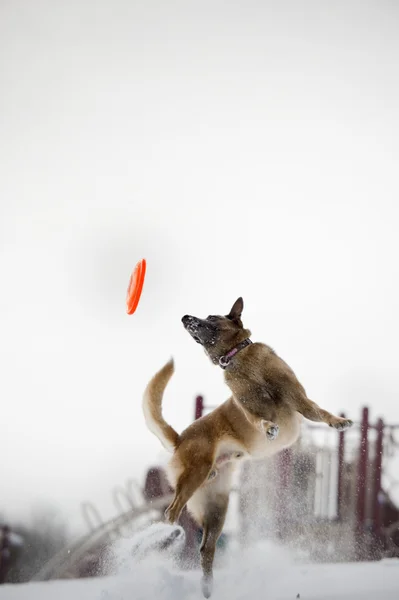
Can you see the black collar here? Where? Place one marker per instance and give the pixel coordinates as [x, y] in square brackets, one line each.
[225, 360]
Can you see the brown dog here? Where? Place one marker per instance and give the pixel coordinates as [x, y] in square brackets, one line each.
[261, 418]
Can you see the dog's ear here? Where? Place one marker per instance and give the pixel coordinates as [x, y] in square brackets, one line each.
[236, 310]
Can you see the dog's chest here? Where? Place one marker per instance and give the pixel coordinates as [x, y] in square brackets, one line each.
[256, 397]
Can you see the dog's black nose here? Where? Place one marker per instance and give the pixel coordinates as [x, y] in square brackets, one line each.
[186, 319]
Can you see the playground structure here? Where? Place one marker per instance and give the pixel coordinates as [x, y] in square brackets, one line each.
[331, 496]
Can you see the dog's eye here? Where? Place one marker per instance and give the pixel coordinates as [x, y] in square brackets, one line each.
[211, 318]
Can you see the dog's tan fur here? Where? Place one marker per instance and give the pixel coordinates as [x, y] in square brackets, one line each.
[261, 418]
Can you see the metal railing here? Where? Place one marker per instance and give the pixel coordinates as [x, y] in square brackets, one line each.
[106, 533]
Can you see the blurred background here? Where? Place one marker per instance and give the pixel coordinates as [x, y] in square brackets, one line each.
[243, 148]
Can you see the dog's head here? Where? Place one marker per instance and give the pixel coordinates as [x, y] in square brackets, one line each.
[218, 334]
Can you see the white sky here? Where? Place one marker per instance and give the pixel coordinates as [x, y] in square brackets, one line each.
[244, 148]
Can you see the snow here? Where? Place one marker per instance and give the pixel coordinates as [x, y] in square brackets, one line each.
[15, 539]
[265, 571]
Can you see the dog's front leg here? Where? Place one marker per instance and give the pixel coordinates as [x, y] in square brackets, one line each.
[310, 410]
[263, 425]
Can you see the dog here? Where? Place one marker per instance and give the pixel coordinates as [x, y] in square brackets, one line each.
[262, 417]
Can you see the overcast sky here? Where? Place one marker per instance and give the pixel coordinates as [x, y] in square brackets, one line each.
[244, 148]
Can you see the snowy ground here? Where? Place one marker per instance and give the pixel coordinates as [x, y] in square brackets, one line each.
[264, 572]
[321, 582]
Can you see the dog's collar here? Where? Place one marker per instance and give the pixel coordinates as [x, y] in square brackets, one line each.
[225, 360]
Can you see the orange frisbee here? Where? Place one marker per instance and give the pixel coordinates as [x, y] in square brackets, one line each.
[135, 286]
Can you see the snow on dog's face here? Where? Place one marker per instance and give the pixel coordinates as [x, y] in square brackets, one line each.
[218, 334]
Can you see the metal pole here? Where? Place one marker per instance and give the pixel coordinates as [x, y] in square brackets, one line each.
[361, 480]
[119, 492]
[377, 517]
[327, 477]
[285, 460]
[87, 508]
[341, 463]
[199, 407]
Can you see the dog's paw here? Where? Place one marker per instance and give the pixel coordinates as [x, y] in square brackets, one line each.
[207, 586]
[341, 424]
[171, 515]
[212, 474]
[271, 430]
[167, 516]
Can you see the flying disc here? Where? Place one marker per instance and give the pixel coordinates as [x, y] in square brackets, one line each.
[135, 286]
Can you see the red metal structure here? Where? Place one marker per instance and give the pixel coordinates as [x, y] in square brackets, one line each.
[330, 495]
[377, 515]
[349, 469]
[341, 462]
[362, 482]
[4, 552]
[199, 407]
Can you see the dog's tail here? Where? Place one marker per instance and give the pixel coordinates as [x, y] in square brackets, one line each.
[152, 407]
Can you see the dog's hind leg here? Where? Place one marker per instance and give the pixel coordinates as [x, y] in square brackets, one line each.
[188, 482]
[310, 410]
[213, 521]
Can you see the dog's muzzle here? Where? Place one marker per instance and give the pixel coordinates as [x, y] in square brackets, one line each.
[188, 320]
[191, 324]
